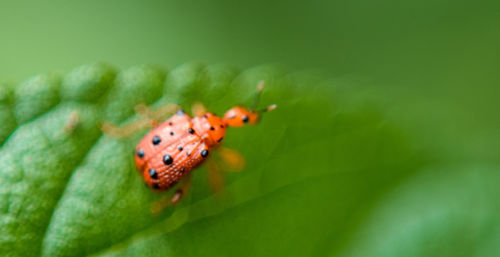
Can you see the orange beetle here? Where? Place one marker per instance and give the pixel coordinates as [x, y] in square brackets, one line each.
[172, 149]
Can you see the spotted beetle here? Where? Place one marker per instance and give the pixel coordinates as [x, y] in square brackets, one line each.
[173, 148]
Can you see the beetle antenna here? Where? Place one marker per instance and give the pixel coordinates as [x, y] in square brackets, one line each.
[256, 99]
[268, 109]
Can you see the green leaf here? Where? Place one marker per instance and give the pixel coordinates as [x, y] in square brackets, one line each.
[6, 114]
[444, 211]
[36, 96]
[322, 156]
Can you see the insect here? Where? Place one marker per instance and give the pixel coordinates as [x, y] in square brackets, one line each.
[173, 148]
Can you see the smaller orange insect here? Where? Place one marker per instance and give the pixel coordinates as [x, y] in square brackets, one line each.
[172, 149]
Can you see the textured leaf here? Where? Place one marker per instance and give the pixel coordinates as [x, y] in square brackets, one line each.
[322, 156]
[36, 96]
[6, 114]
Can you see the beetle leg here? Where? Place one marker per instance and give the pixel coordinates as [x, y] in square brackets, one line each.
[170, 200]
[215, 176]
[157, 115]
[127, 130]
[150, 118]
[198, 109]
[231, 160]
[183, 189]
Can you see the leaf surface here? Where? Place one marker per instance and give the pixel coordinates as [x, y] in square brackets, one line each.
[314, 165]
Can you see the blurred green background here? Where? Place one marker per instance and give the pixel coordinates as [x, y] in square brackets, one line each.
[444, 51]
[431, 66]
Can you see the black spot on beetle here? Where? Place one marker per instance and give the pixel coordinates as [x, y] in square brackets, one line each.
[170, 123]
[153, 173]
[171, 133]
[221, 126]
[180, 148]
[204, 153]
[156, 186]
[191, 130]
[140, 153]
[245, 119]
[188, 154]
[167, 159]
[212, 128]
[156, 140]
